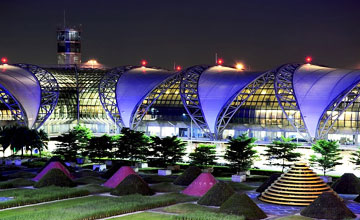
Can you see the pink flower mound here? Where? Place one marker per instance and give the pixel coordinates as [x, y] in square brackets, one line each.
[119, 176]
[203, 183]
[53, 165]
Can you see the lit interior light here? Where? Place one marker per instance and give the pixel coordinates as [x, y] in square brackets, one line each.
[220, 62]
[4, 60]
[239, 66]
[178, 68]
[308, 59]
[143, 63]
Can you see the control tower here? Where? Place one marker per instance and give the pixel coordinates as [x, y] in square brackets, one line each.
[68, 46]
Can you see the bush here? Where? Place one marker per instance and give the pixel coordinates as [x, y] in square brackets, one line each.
[268, 182]
[328, 206]
[89, 180]
[22, 174]
[188, 176]
[86, 173]
[14, 183]
[204, 155]
[55, 177]
[347, 184]
[241, 204]
[132, 184]
[217, 195]
[166, 187]
[168, 150]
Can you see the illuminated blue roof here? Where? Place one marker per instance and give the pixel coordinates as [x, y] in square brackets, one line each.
[132, 88]
[24, 87]
[216, 86]
[317, 87]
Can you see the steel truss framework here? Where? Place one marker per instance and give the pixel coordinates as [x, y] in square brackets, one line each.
[190, 97]
[284, 92]
[144, 104]
[107, 93]
[49, 92]
[235, 102]
[13, 105]
[336, 109]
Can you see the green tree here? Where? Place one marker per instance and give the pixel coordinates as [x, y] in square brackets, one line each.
[132, 145]
[100, 147]
[355, 159]
[204, 154]
[20, 137]
[74, 143]
[282, 152]
[240, 153]
[169, 150]
[328, 155]
[67, 146]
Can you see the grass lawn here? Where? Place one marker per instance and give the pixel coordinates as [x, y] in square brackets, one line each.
[294, 217]
[190, 211]
[240, 186]
[90, 180]
[166, 187]
[93, 207]
[146, 216]
[188, 208]
[31, 196]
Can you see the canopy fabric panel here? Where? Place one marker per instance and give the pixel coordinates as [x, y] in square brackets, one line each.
[24, 87]
[317, 87]
[133, 86]
[216, 86]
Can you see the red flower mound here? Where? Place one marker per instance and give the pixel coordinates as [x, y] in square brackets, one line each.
[51, 166]
[119, 176]
[203, 183]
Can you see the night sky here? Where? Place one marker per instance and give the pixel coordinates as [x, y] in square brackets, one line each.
[261, 33]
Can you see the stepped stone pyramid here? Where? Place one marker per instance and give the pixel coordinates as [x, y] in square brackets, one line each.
[299, 186]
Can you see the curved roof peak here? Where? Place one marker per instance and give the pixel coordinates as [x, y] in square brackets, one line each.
[24, 87]
[317, 87]
[133, 86]
[216, 86]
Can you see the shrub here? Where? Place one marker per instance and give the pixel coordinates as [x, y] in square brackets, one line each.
[268, 182]
[14, 183]
[328, 206]
[203, 155]
[241, 204]
[329, 155]
[132, 184]
[168, 150]
[240, 153]
[22, 174]
[347, 184]
[157, 179]
[55, 177]
[217, 195]
[188, 176]
[166, 187]
[282, 152]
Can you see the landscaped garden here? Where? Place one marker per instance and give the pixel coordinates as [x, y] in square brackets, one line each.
[132, 176]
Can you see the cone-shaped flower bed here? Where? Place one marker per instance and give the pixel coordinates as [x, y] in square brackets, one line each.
[299, 186]
[119, 176]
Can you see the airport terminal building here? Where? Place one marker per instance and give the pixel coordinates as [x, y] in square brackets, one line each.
[209, 102]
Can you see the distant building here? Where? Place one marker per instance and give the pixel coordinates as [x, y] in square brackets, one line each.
[68, 46]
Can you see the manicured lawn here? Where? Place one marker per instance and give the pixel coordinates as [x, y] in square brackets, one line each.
[294, 217]
[146, 216]
[166, 187]
[240, 186]
[93, 207]
[31, 196]
[190, 211]
[188, 208]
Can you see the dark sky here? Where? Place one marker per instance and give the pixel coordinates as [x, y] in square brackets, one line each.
[261, 33]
